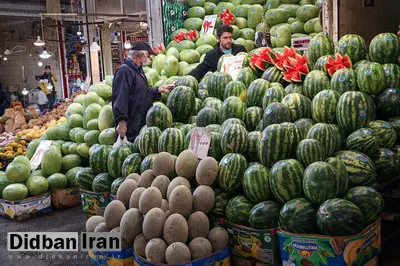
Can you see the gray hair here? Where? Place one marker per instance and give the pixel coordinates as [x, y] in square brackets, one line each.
[136, 53]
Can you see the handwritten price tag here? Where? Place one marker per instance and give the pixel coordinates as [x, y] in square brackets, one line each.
[37, 157]
[208, 25]
[200, 141]
[232, 65]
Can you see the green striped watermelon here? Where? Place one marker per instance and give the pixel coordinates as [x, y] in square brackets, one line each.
[135, 145]
[99, 157]
[232, 107]
[341, 170]
[230, 172]
[360, 168]
[147, 163]
[294, 137]
[256, 183]
[385, 164]
[252, 117]
[371, 78]
[235, 88]
[260, 126]
[273, 94]
[298, 216]
[148, 141]
[256, 91]
[325, 134]
[388, 103]
[354, 110]
[321, 182]
[253, 138]
[247, 76]
[177, 125]
[186, 128]
[286, 180]
[339, 217]
[202, 94]
[172, 141]
[343, 80]
[385, 133]
[304, 125]
[298, 105]
[320, 64]
[360, 64]
[220, 202]
[159, 116]
[324, 106]
[276, 113]
[340, 137]
[215, 127]
[215, 149]
[294, 88]
[216, 84]
[182, 102]
[131, 164]
[315, 82]
[363, 140]
[116, 158]
[212, 102]
[368, 200]
[231, 121]
[85, 177]
[207, 116]
[203, 82]
[238, 210]
[102, 183]
[274, 144]
[198, 106]
[395, 123]
[272, 74]
[385, 48]
[234, 139]
[354, 46]
[320, 45]
[115, 185]
[392, 75]
[188, 81]
[309, 151]
[265, 215]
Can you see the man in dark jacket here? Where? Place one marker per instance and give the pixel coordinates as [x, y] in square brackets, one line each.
[131, 95]
[224, 46]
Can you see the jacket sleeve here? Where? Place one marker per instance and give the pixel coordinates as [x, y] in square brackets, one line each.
[120, 95]
[202, 68]
[155, 94]
[241, 48]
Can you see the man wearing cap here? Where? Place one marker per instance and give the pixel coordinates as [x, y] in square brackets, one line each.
[131, 95]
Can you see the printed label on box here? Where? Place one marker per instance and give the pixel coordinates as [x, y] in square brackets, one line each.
[22, 209]
[94, 203]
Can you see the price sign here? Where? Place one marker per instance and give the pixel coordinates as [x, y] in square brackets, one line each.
[208, 25]
[200, 141]
[37, 157]
[232, 65]
[301, 43]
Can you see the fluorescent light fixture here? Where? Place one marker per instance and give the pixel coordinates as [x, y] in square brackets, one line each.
[40, 63]
[127, 44]
[45, 54]
[95, 47]
[39, 42]
[24, 91]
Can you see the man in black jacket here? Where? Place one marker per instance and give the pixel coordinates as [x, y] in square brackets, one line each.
[131, 95]
[224, 46]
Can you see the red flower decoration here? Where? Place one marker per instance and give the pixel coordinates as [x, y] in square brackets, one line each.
[179, 37]
[227, 17]
[191, 35]
[266, 54]
[295, 68]
[339, 62]
[281, 58]
[160, 49]
[256, 62]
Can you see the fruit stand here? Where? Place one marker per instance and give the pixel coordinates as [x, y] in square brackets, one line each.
[296, 144]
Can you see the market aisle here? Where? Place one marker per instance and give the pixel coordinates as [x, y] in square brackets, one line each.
[70, 220]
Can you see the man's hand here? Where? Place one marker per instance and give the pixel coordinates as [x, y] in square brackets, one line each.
[121, 129]
[166, 88]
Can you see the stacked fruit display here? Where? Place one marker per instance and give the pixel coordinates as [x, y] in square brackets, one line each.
[165, 217]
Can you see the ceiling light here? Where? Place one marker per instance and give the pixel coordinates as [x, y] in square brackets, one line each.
[79, 33]
[83, 51]
[24, 91]
[7, 51]
[45, 54]
[40, 63]
[5, 58]
[50, 87]
[30, 54]
[38, 42]
[127, 44]
[95, 47]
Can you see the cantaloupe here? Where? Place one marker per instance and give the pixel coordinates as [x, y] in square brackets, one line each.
[92, 222]
[177, 253]
[161, 182]
[113, 213]
[199, 225]
[153, 223]
[200, 247]
[176, 182]
[186, 164]
[102, 227]
[116, 230]
[164, 205]
[181, 201]
[206, 172]
[135, 196]
[146, 178]
[203, 198]
[139, 245]
[125, 190]
[131, 224]
[155, 250]
[150, 198]
[163, 164]
[126, 243]
[219, 238]
[133, 176]
[175, 229]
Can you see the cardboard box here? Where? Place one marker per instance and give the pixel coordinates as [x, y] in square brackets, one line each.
[307, 249]
[259, 244]
[66, 198]
[94, 203]
[22, 209]
[220, 258]
[115, 258]
[239, 261]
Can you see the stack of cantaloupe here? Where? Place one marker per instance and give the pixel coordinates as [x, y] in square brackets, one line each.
[166, 218]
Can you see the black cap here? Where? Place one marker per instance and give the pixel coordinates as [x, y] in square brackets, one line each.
[141, 45]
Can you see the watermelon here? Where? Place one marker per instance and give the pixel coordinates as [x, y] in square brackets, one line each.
[315, 82]
[320, 64]
[247, 76]
[102, 183]
[235, 88]
[274, 144]
[388, 103]
[253, 138]
[363, 140]
[294, 137]
[238, 210]
[181, 102]
[354, 46]
[216, 84]
[286, 179]
[273, 94]
[116, 158]
[215, 127]
[294, 88]
[115, 185]
[320, 45]
[230, 171]
[70, 161]
[360, 168]
[234, 139]
[131, 164]
[220, 202]
[252, 117]
[276, 113]
[384, 132]
[385, 164]
[232, 107]
[371, 78]
[275, 16]
[212, 102]
[172, 141]
[256, 91]
[256, 183]
[309, 151]
[298, 216]
[85, 177]
[91, 137]
[304, 125]
[298, 105]
[341, 170]
[186, 128]
[159, 116]
[272, 74]
[343, 80]
[385, 48]
[325, 134]
[215, 149]
[324, 106]
[265, 215]
[148, 140]
[202, 94]
[147, 163]
[392, 75]
[354, 110]
[207, 116]
[107, 136]
[395, 123]
[339, 217]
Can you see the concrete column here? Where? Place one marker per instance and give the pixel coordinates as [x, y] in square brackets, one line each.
[154, 20]
[106, 50]
[53, 6]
